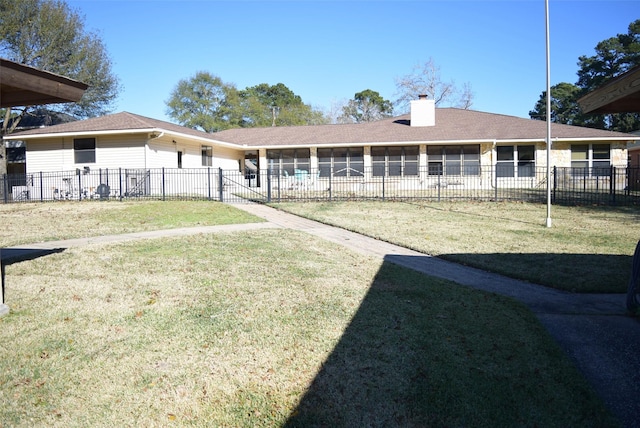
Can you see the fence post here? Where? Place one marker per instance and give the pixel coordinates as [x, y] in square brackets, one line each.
[383, 187]
[120, 180]
[79, 174]
[612, 185]
[162, 181]
[220, 184]
[555, 183]
[5, 187]
[268, 185]
[495, 183]
[330, 185]
[209, 183]
[41, 188]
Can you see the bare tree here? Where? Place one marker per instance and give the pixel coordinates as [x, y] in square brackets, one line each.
[466, 97]
[425, 79]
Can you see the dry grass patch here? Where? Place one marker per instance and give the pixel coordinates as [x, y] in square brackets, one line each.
[36, 222]
[270, 328]
[588, 249]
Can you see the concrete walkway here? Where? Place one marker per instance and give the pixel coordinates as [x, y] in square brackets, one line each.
[594, 330]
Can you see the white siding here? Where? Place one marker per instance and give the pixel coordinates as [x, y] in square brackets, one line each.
[162, 153]
[48, 155]
[131, 151]
[56, 154]
[120, 151]
[226, 158]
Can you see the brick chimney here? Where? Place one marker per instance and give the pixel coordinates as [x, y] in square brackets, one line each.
[423, 112]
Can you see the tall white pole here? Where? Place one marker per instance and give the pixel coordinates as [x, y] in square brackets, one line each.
[546, 9]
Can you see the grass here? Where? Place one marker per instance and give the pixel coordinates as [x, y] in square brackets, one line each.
[248, 329]
[36, 222]
[587, 249]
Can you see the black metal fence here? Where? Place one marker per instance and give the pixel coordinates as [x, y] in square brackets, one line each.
[569, 186]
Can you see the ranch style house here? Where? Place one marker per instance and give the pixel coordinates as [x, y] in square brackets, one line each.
[428, 147]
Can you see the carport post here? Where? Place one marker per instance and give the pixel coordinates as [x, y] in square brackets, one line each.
[4, 309]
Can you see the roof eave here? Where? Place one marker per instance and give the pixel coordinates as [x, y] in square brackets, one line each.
[119, 132]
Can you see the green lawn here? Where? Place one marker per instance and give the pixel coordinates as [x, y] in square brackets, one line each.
[587, 249]
[266, 328]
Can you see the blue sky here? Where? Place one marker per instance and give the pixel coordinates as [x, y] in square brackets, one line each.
[326, 51]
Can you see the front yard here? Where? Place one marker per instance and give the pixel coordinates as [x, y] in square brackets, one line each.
[263, 328]
[587, 249]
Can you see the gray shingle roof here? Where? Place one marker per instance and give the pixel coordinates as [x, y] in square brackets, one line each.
[452, 125]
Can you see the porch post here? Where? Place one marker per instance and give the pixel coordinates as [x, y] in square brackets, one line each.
[4, 309]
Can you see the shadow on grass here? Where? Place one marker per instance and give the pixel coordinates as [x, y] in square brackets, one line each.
[579, 273]
[421, 351]
[10, 256]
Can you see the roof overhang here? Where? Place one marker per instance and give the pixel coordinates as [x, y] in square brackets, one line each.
[619, 95]
[21, 85]
[148, 132]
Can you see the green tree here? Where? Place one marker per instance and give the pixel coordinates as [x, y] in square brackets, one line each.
[205, 102]
[276, 105]
[366, 106]
[48, 35]
[564, 105]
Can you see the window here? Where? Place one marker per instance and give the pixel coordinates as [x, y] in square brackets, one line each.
[288, 160]
[207, 156]
[84, 150]
[453, 160]
[341, 162]
[590, 159]
[515, 161]
[179, 159]
[394, 161]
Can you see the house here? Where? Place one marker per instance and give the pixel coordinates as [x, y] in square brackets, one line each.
[434, 145]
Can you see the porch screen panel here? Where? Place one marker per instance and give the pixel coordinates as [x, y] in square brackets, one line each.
[288, 160]
[471, 160]
[324, 162]
[378, 159]
[435, 158]
[411, 156]
[356, 162]
[341, 162]
[452, 162]
[395, 161]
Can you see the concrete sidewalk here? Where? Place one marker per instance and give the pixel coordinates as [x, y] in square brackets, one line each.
[594, 330]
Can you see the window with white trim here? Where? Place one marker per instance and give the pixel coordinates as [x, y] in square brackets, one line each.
[341, 162]
[84, 150]
[207, 156]
[454, 160]
[591, 159]
[515, 161]
[395, 161]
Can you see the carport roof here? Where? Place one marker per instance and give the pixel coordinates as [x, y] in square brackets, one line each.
[21, 85]
[619, 95]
